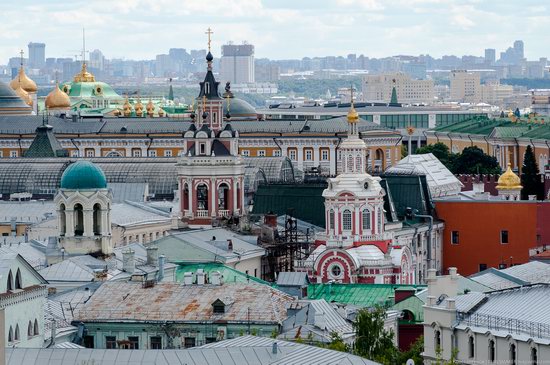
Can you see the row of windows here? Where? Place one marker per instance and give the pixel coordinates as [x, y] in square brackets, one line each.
[346, 219]
[445, 119]
[133, 343]
[491, 353]
[13, 154]
[15, 336]
[504, 237]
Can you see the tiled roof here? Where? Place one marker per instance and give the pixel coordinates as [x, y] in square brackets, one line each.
[292, 279]
[115, 301]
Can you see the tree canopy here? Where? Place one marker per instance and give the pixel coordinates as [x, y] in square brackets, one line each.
[530, 179]
[472, 160]
[372, 340]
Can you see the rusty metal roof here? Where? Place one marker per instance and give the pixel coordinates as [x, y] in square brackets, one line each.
[129, 301]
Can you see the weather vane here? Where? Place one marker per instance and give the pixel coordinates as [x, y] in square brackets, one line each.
[209, 32]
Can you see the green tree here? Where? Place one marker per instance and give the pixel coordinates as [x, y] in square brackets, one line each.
[530, 175]
[473, 160]
[337, 344]
[414, 352]
[439, 150]
[372, 341]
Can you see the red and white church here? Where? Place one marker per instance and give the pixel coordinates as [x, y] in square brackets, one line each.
[355, 247]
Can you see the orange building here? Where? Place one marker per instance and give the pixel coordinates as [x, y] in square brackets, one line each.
[483, 234]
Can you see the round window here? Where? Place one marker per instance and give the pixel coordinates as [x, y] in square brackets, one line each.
[366, 186]
[336, 271]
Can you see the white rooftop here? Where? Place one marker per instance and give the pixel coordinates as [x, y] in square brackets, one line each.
[441, 181]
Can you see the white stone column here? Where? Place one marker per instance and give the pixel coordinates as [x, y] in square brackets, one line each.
[213, 199]
[357, 221]
[69, 223]
[336, 221]
[300, 157]
[316, 152]
[88, 222]
[105, 226]
[190, 191]
[235, 202]
[332, 159]
[97, 151]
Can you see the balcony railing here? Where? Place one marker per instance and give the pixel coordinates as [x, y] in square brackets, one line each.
[224, 213]
[510, 325]
[303, 264]
[202, 213]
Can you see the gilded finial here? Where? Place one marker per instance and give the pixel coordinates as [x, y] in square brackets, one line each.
[353, 116]
[209, 32]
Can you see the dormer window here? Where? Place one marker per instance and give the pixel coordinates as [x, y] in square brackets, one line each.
[202, 149]
[207, 88]
[218, 307]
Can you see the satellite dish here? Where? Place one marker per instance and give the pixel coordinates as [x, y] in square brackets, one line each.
[410, 362]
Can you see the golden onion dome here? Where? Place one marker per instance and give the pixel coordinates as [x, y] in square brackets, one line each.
[84, 75]
[509, 180]
[116, 113]
[57, 99]
[150, 106]
[353, 116]
[161, 112]
[138, 105]
[23, 95]
[24, 81]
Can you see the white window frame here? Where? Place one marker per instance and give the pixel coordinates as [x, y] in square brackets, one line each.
[152, 153]
[74, 153]
[90, 153]
[324, 155]
[309, 155]
[347, 221]
[245, 153]
[277, 153]
[13, 154]
[136, 153]
[167, 153]
[261, 153]
[366, 219]
[292, 155]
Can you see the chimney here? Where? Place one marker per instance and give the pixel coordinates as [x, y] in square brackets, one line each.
[162, 260]
[201, 277]
[152, 256]
[270, 220]
[453, 272]
[215, 278]
[274, 348]
[451, 304]
[188, 278]
[54, 333]
[128, 262]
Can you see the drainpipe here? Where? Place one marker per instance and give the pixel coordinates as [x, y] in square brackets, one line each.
[278, 145]
[149, 145]
[75, 146]
[472, 142]
[20, 147]
[436, 137]
[487, 142]
[517, 153]
[451, 140]
[414, 214]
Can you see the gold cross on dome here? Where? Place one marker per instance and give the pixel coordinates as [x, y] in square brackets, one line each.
[209, 32]
[21, 53]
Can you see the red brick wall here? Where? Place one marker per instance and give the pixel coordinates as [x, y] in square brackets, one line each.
[479, 225]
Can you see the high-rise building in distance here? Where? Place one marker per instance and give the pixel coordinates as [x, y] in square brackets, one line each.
[518, 47]
[37, 55]
[490, 56]
[465, 86]
[237, 63]
[379, 88]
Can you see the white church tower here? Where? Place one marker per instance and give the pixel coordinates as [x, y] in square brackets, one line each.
[84, 210]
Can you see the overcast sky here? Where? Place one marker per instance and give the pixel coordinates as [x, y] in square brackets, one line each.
[280, 29]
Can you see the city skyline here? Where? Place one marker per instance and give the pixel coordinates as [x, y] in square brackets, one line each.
[143, 28]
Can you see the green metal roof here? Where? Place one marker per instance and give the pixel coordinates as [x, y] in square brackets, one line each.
[89, 90]
[414, 305]
[45, 144]
[228, 274]
[501, 128]
[362, 295]
[83, 175]
[306, 200]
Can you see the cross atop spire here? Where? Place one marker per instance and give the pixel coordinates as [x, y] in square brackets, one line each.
[209, 32]
[21, 57]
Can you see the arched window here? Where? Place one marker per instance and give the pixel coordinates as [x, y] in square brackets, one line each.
[9, 284]
[202, 197]
[223, 196]
[331, 219]
[512, 354]
[238, 203]
[185, 197]
[63, 221]
[36, 332]
[346, 220]
[79, 220]
[492, 352]
[358, 164]
[18, 280]
[30, 330]
[97, 219]
[349, 167]
[534, 356]
[10, 334]
[471, 347]
[366, 219]
[16, 336]
[437, 340]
